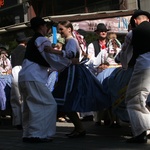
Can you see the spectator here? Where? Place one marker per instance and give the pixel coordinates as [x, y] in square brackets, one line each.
[5, 64]
[17, 56]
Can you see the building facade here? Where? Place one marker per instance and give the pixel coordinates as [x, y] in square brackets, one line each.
[16, 11]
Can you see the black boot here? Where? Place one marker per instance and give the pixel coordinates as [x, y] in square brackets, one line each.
[77, 134]
[142, 138]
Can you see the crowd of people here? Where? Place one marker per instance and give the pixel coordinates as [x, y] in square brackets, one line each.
[100, 80]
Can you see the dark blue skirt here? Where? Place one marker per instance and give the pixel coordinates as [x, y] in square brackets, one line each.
[79, 90]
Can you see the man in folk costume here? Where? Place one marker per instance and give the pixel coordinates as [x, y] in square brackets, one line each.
[39, 106]
[139, 85]
[97, 51]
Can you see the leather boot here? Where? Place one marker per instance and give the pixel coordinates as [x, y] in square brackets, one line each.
[142, 138]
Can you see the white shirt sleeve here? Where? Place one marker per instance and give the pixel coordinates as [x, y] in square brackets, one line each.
[91, 51]
[56, 62]
[99, 59]
[127, 51]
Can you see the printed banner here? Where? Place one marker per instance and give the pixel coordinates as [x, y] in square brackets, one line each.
[117, 24]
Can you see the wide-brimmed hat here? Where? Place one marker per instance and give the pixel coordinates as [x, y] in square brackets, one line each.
[36, 22]
[20, 37]
[101, 27]
[140, 12]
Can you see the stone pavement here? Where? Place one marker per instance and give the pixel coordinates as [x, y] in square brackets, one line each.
[97, 138]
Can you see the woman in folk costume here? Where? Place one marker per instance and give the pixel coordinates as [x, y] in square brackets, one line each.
[39, 106]
[77, 90]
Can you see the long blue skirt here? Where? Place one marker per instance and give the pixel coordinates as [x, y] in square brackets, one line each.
[118, 92]
[79, 90]
[115, 82]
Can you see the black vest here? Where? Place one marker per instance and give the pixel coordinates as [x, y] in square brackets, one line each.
[33, 54]
[140, 41]
[97, 47]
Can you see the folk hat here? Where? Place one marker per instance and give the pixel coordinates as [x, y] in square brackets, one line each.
[36, 22]
[140, 12]
[21, 37]
[101, 28]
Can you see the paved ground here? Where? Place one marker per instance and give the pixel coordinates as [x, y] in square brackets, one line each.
[97, 138]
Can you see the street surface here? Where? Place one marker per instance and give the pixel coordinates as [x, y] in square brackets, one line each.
[97, 138]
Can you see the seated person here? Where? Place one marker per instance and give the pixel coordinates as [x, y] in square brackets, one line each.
[114, 47]
[5, 64]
